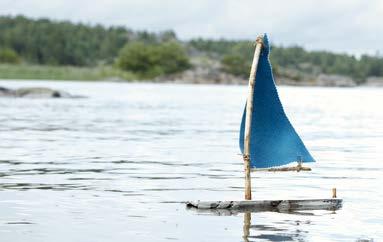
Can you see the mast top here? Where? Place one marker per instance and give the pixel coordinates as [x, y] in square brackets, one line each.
[259, 39]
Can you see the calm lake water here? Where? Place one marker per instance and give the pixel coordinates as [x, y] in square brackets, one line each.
[116, 165]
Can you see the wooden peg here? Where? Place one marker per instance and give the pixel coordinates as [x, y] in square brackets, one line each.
[334, 192]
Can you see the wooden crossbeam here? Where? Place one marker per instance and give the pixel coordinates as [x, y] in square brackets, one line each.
[297, 168]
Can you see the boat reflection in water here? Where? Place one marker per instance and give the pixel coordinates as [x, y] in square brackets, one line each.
[254, 232]
[272, 226]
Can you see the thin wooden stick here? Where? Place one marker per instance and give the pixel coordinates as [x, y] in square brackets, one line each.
[334, 192]
[297, 168]
[249, 112]
[246, 226]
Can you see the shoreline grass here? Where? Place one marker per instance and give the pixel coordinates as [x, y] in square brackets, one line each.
[44, 72]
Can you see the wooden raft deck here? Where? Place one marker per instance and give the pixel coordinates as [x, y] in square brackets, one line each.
[268, 205]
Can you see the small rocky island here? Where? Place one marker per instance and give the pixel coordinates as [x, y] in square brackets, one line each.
[34, 92]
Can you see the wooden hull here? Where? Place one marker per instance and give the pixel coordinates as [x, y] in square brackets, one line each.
[268, 205]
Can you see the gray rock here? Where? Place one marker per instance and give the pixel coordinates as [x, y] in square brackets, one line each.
[204, 71]
[207, 70]
[374, 81]
[34, 92]
[334, 81]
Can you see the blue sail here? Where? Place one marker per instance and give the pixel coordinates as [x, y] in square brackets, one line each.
[273, 140]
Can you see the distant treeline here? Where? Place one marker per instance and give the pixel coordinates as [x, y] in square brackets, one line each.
[147, 54]
[44, 41]
[236, 57]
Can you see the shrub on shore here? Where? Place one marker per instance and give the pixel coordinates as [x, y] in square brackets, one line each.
[152, 60]
[9, 56]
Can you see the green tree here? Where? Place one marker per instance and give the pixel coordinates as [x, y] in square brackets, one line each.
[135, 57]
[8, 55]
[172, 57]
[236, 65]
[151, 60]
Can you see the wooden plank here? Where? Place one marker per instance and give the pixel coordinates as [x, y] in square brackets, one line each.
[249, 112]
[268, 205]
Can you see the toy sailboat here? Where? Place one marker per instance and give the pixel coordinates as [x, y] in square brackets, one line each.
[267, 140]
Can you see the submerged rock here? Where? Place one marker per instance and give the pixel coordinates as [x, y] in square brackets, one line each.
[34, 92]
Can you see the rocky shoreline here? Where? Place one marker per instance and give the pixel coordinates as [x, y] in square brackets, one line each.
[210, 72]
[322, 80]
[34, 92]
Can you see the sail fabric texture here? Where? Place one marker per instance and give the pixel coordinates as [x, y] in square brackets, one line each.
[273, 140]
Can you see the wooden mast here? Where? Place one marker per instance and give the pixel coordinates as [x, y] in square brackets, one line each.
[249, 112]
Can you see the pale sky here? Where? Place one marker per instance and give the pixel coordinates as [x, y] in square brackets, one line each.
[352, 26]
